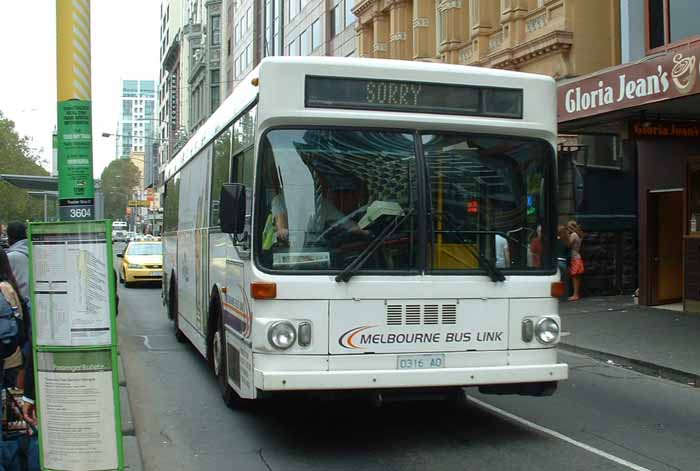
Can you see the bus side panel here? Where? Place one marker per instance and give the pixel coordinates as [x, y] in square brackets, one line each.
[186, 271]
[218, 243]
[240, 365]
[237, 320]
[193, 287]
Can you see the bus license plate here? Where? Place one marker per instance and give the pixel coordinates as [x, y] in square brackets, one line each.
[417, 362]
[156, 273]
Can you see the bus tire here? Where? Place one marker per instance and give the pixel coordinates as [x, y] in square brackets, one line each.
[172, 313]
[228, 394]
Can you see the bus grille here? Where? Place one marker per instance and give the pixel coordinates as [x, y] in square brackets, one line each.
[417, 314]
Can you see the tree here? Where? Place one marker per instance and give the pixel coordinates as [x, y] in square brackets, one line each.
[16, 158]
[119, 179]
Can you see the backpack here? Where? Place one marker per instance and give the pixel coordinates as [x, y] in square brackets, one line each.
[11, 328]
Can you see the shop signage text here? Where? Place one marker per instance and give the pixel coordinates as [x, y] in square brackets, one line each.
[665, 129]
[669, 76]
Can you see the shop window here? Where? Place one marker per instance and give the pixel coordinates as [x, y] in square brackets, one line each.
[671, 21]
[599, 151]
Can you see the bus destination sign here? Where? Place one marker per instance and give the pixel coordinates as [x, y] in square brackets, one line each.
[413, 97]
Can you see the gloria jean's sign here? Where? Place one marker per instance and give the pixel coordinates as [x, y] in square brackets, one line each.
[671, 75]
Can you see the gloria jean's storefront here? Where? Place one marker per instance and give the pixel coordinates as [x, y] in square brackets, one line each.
[653, 108]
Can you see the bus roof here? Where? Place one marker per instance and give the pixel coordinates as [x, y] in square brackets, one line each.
[281, 90]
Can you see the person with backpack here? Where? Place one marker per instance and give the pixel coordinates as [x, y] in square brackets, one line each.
[18, 254]
[12, 327]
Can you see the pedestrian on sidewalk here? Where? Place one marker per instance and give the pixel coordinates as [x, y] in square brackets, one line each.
[576, 267]
[18, 253]
[9, 289]
[563, 257]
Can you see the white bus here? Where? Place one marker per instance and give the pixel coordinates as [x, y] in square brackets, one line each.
[119, 230]
[367, 225]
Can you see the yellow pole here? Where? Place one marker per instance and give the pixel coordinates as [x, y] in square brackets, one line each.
[76, 188]
[73, 49]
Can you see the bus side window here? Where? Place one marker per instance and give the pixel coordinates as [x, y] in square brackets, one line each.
[220, 172]
[172, 197]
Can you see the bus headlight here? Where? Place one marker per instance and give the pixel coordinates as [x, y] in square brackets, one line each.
[547, 330]
[281, 335]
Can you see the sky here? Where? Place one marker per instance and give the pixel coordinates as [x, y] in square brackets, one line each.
[125, 45]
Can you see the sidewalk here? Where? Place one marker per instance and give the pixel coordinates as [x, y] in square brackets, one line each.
[655, 341]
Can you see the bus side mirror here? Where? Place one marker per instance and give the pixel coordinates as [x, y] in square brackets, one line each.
[232, 208]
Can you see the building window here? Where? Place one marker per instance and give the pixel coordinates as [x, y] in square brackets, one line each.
[316, 38]
[126, 109]
[337, 22]
[214, 80]
[215, 30]
[273, 25]
[249, 19]
[305, 39]
[349, 16]
[670, 21]
[293, 9]
[294, 47]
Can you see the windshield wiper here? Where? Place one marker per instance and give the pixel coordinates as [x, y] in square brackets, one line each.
[492, 270]
[372, 247]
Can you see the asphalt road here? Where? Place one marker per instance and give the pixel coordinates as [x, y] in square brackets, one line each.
[602, 418]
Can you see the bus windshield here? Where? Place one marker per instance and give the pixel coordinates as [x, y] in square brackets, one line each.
[328, 194]
[489, 201]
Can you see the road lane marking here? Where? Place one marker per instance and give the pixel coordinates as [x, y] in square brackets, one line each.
[555, 434]
[146, 342]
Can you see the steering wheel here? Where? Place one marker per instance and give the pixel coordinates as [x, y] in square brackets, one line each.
[337, 226]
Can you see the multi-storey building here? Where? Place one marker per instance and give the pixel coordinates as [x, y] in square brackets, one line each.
[173, 111]
[560, 38]
[136, 128]
[253, 29]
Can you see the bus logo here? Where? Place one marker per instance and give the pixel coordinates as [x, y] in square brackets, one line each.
[347, 340]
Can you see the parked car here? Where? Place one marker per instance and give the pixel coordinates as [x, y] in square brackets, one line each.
[141, 261]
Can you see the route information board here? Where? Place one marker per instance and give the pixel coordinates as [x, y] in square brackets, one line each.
[75, 345]
[71, 286]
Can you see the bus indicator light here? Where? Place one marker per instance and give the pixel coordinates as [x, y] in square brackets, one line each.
[557, 289]
[263, 290]
[304, 334]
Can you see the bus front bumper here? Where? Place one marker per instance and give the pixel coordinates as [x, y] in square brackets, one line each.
[405, 378]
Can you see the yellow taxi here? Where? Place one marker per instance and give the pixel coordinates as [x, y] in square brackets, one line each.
[142, 261]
